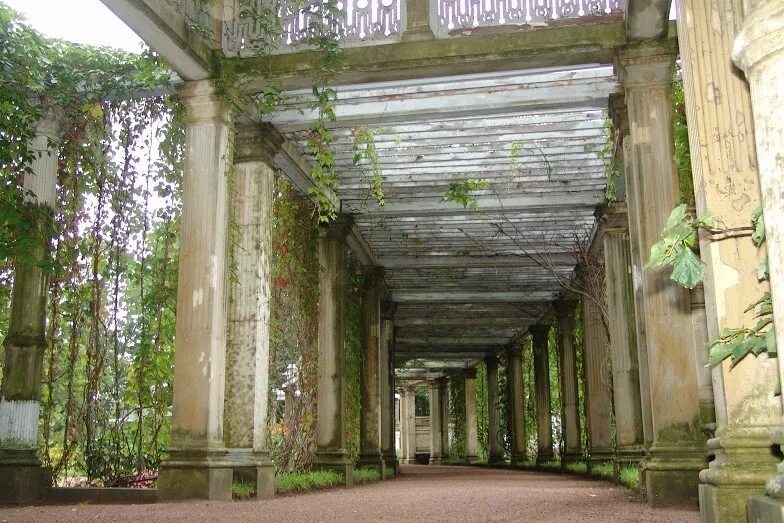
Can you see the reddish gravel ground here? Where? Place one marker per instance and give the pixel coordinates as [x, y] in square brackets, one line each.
[422, 493]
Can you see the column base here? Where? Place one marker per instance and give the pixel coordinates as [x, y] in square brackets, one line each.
[195, 474]
[436, 460]
[409, 461]
[22, 479]
[256, 468]
[764, 509]
[743, 463]
[391, 466]
[601, 456]
[495, 459]
[518, 459]
[337, 461]
[372, 460]
[572, 457]
[671, 476]
[544, 457]
[417, 35]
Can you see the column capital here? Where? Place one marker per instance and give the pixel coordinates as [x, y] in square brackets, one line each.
[539, 333]
[618, 113]
[374, 274]
[257, 143]
[761, 35]
[206, 102]
[612, 217]
[564, 308]
[491, 359]
[513, 350]
[469, 373]
[338, 229]
[646, 65]
[388, 308]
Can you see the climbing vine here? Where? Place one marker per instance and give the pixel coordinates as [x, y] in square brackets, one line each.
[457, 414]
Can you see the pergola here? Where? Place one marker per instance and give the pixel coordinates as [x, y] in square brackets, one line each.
[512, 102]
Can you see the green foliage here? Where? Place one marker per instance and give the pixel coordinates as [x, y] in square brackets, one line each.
[457, 411]
[305, 481]
[737, 343]
[365, 148]
[366, 475]
[681, 138]
[577, 467]
[612, 169]
[481, 410]
[555, 387]
[422, 402]
[462, 192]
[677, 244]
[353, 358]
[243, 490]
[604, 470]
[630, 477]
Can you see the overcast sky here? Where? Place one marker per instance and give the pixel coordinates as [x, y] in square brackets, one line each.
[82, 21]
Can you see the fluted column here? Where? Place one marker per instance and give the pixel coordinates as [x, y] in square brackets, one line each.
[370, 377]
[516, 406]
[247, 344]
[470, 414]
[408, 425]
[759, 51]
[623, 340]
[570, 414]
[727, 182]
[598, 384]
[387, 390]
[495, 453]
[331, 444]
[436, 420]
[542, 383]
[198, 465]
[21, 477]
[677, 451]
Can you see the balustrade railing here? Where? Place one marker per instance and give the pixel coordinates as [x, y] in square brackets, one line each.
[282, 26]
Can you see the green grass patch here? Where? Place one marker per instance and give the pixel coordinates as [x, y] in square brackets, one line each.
[305, 481]
[630, 477]
[577, 467]
[603, 470]
[366, 474]
[242, 490]
[550, 465]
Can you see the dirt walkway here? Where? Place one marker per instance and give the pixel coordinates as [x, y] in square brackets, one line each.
[422, 493]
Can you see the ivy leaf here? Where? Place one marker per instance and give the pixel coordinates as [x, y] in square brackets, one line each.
[357, 158]
[770, 340]
[719, 352]
[762, 269]
[687, 269]
[658, 255]
[758, 219]
[676, 217]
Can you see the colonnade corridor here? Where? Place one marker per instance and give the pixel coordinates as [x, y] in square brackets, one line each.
[420, 493]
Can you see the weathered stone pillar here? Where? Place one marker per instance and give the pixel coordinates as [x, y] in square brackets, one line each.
[567, 353]
[677, 453]
[417, 14]
[759, 51]
[495, 453]
[544, 424]
[21, 476]
[630, 444]
[436, 420]
[726, 182]
[331, 445]
[472, 443]
[198, 464]
[516, 405]
[247, 343]
[370, 377]
[408, 411]
[387, 390]
[598, 385]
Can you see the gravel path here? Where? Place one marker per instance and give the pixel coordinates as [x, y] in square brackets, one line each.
[422, 493]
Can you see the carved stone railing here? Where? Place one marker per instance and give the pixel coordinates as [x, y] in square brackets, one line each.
[455, 17]
[283, 26]
[359, 22]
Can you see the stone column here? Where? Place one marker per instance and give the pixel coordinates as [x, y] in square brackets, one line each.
[408, 410]
[387, 391]
[436, 421]
[472, 444]
[370, 377]
[544, 430]
[677, 452]
[727, 182]
[516, 404]
[630, 444]
[247, 343]
[598, 387]
[759, 51]
[495, 453]
[21, 476]
[198, 464]
[567, 353]
[331, 445]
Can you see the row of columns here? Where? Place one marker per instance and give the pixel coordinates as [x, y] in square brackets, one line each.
[220, 397]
